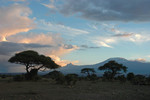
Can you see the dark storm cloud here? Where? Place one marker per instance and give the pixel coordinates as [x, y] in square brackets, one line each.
[7, 48]
[108, 10]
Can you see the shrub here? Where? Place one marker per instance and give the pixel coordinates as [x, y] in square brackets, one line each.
[93, 77]
[71, 79]
[130, 76]
[19, 78]
[121, 78]
[57, 76]
[32, 75]
[139, 80]
[148, 80]
[107, 75]
[3, 76]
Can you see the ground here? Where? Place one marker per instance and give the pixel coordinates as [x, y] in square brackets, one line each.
[83, 90]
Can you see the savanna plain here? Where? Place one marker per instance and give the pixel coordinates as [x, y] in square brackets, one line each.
[47, 89]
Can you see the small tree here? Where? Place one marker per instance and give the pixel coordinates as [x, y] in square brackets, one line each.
[112, 68]
[88, 71]
[33, 61]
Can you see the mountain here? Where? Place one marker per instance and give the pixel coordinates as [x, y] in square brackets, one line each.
[137, 67]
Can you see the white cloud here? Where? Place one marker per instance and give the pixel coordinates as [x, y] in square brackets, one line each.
[62, 62]
[103, 41]
[14, 19]
[59, 28]
[139, 38]
[40, 38]
[117, 36]
[104, 44]
[51, 5]
[57, 46]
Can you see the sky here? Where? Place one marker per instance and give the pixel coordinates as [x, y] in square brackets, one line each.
[80, 32]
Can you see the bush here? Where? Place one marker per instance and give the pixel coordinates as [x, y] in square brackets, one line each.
[32, 75]
[121, 78]
[57, 76]
[130, 76]
[19, 78]
[71, 79]
[3, 76]
[148, 80]
[139, 80]
[107, 75]
[93, 77]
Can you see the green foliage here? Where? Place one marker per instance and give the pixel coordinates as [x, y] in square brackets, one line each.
[130, 76]
[32, 60]
[71, 79]
[112, 68]
[139, 80]
[88, 71]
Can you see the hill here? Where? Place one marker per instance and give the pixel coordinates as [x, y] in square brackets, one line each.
[137, 67]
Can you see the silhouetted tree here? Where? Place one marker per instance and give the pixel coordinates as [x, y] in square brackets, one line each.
[88, 71]
[112, 68]
[33, 61]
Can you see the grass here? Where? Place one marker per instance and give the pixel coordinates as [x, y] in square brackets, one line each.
[83, 90]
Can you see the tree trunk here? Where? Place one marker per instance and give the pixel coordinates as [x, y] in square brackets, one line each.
[27, 68]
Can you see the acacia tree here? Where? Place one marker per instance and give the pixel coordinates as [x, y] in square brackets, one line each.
[88, 71]
[33, 61]
[112, 68]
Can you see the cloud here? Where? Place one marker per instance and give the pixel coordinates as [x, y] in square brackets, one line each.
[62, 62]
[139, 38]
[59, 28]
[7, 48]
[123, 35]
[141, 59]
[104, 44]
[82, 47]
[44, 43]
[6, 67]
[50, 5]
[10, 48]
[107, 10]
[103, 41]
[18, 0]
[40, 38]
[58, 45]
[14, 19]
[113, 35]
[62, 50]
